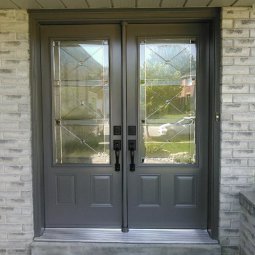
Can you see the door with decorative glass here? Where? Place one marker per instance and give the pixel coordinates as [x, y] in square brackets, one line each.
[81, 78]
[125, 125]
[167, 80]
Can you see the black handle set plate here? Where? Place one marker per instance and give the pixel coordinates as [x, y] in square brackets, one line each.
[132, 148]
[117, 148]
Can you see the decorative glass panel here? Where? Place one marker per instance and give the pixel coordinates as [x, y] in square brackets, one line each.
[81, 101]
[167, 101]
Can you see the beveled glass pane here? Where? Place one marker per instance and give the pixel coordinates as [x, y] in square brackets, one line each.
[81, 101]
[167, 101]
[83, 143]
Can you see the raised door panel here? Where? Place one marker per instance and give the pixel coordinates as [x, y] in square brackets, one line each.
[185, 190]
[65, 190]
[101, 190]
[150, 190]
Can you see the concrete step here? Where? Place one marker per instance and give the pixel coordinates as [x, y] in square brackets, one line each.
[76, 248]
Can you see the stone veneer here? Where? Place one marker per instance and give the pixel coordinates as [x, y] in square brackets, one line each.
[238, 127]
[247, 227]
[238, 119]
[16, 214]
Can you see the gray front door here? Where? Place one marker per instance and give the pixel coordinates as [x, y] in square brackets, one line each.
[168, 104]
[81, 77]
[159, 180]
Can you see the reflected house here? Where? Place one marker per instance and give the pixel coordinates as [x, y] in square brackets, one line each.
[188, 83]
[80, 69]
[82, 100]
[188, 91]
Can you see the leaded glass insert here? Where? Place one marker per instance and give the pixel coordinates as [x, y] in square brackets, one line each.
[81, 101]
[167, 101]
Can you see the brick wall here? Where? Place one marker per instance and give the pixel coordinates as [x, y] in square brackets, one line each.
[16, 229]
[238, 118]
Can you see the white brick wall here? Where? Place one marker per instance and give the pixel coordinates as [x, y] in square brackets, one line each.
[16, 217]
[238, 116]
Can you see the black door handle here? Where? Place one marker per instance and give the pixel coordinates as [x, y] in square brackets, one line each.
[132, 148]
[117, 148]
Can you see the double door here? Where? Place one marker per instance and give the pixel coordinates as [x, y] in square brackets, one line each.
[125, 125]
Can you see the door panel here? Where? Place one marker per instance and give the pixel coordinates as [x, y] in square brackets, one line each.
[185, 190]
[65, 189]
[166, 74]
[81, 91]
[150, 191]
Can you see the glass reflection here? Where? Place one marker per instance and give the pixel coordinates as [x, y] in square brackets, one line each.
[81, 99]
[167, 101]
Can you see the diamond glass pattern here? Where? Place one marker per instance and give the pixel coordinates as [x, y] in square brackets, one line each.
[167, 101]
[81, 101]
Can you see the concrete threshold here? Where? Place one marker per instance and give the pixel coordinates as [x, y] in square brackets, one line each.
[167, 236]
[71, 248]
[135, 242]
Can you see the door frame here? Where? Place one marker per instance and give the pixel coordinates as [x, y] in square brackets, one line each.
[38, 18]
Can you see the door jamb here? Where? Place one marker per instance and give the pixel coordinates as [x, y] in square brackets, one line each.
[38, 18]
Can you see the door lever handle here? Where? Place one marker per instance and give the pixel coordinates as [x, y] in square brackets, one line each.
[132, 148]
[117, 148]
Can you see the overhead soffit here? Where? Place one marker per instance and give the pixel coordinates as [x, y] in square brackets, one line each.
[92, 4]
